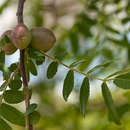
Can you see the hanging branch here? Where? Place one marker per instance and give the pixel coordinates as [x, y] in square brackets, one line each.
[22, 65]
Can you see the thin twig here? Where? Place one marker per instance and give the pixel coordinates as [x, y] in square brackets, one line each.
[70, 68]
[22, 65]
[78, 71]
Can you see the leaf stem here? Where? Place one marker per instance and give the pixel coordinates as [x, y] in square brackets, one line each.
[71, 68]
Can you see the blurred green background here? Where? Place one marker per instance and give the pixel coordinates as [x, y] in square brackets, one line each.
[96, 31]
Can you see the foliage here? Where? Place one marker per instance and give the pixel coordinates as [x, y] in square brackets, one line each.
[95, 45]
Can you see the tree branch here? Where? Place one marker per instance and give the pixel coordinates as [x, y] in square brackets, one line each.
[22, 65]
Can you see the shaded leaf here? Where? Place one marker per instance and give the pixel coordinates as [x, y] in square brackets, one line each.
[111, 29]
[34, 117]
[52, 69]
[30, 109]
[74, 41]
[13, 67]
[40, 60]
[6, 73]
[4, 5]
[5, 40]
[32, 68]
[12, 114]
[122, 109]
[99, 66]
[78, 62]
[68, 84]
[122, 42]
[119, 72]
[13, 96]
[3, 86]
[84, 95]
[15, 84]
[60, 55]
[109, 103]
[4, 125]
[2, 57]
[123, 81]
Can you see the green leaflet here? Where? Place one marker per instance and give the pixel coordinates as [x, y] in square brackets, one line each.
[12, 114]
[60, 53]
[2, 57]
[13, 96]
[4, 125]
[122, 109]
[68, 84]
[84, 95]
[36, 56]
[108, 28]
[119, 72]
[32, 68]
[13, 66]
[99, 67]
[77, 62]
[109, 103]
[3, 86]
[40, 60]
[34, 117]
[52, 69]
[30, 109]
[4, 6]
[5, 40]
[123, 81]
[6, 73]
[74, 41]
[15, 84]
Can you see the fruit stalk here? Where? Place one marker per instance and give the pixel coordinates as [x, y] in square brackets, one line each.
[22, 65]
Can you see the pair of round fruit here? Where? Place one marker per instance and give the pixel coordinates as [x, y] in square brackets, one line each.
[40, 38]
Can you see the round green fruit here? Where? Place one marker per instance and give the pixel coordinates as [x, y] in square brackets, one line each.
[8, 48]
[42, 39]
[21, 36]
